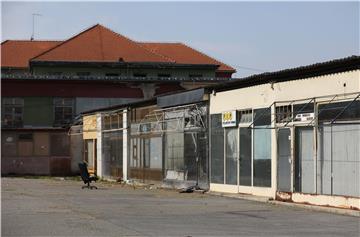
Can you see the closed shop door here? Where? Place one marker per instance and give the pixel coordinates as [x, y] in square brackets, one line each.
[284, 160]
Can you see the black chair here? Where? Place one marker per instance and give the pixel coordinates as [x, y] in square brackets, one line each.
[85, 176]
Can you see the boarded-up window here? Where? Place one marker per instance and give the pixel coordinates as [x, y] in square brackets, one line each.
[25, 148]
[8, 144]
[25, 144]
[41, 144]
[59, 143]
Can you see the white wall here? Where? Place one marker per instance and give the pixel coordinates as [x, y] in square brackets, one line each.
[264, 95]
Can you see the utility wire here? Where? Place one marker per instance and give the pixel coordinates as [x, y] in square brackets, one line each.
[251, 68]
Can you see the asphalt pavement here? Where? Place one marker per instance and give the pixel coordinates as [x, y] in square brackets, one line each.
[48, 207]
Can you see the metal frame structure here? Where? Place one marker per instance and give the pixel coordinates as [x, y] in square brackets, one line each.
[327, 100]
[349, 99]
[156, 121]
[313, 122]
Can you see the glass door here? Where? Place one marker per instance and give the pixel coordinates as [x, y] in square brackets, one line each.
[245, 154]
[284, 160]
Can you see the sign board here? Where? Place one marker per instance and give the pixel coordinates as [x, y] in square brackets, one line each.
[229, 119]
[304, 117]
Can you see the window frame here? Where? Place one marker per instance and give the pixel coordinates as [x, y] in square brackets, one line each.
[62, 121]
[16, 103]
[249, 125]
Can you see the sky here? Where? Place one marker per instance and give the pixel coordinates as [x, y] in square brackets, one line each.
[252, 37]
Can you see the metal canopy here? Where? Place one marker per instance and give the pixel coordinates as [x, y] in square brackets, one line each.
[187, 97]
[187, 118]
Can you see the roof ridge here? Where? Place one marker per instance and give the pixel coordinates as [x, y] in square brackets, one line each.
[137, 44]
[205, 55]
[158, 42]
[65, 41]
[24, 40]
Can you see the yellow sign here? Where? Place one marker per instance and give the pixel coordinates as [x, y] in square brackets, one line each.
[229, 119]
[227, 116]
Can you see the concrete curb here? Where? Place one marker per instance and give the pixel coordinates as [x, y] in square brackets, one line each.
[239, 196]
[333, 210]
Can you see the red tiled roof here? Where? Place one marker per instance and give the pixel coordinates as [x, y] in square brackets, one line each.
[99, 44]
[184, 54]
[16, 53]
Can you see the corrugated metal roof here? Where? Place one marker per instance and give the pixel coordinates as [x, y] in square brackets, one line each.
[302, 72]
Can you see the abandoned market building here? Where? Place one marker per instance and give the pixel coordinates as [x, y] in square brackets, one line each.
[46, 84]
[291, 135]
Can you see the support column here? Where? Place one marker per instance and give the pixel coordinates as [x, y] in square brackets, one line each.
[99, 162]
[273, 152]
[315, 144]
[125, 146]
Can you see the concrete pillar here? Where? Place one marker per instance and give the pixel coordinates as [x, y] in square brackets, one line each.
[125, 146]
[99, 163]
[273, 152]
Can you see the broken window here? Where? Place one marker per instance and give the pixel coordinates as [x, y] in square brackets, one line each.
[283, 113]
[64, 111]
[12, 112]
